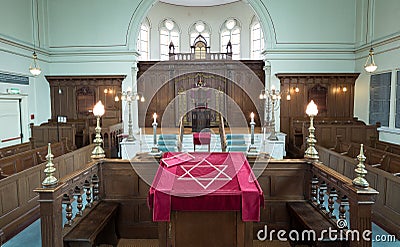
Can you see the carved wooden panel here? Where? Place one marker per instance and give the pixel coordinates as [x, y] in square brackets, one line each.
[33, 181]
[163, 82]
[85, 100]
[333, 92]
[9, 197]
[319, 94]
[75, 96]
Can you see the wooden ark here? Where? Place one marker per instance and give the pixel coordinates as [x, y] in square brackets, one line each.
[229, 87]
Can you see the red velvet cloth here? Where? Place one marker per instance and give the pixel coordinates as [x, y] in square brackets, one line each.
[202, 138]
[209, 182]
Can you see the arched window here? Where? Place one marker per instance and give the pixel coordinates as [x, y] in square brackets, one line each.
[143, 42]
[230, 31]
[200, 47]
[199, 28]
[169, 32]
[257, 39]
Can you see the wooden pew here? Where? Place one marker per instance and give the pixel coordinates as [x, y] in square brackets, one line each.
[1, 237]
[97, 227]
[380, 158]
[15, 149]
[306, 217]
[51, 133]
[19, 162]
[327, 130]
[386, 146]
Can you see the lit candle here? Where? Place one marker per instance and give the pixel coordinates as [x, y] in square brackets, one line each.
[98, 109]
[312, 109]
[252, 116]
[155, 116]
[140, 134]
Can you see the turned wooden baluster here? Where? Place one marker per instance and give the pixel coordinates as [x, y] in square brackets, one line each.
[88, 188]
[95, 183]
[79, 206]
[68, 209]
[344, 202]
[314, 189]
[322, 189]
[331, 202]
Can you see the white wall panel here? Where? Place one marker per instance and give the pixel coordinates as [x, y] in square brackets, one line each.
[16, 20]
[89, 24]
[386, 18]
[313, 21]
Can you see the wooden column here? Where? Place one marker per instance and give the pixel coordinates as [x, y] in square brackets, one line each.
[361, 214]
[50, 215]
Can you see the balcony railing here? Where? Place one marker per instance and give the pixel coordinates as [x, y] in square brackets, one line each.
[202, 56]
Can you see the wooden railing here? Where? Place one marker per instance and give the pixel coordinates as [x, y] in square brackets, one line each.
[19, 203]
[222, 133]
[51, 200]
[282, 181]
[386, 210]
[206, 56]
[340, 189]
[180, 134]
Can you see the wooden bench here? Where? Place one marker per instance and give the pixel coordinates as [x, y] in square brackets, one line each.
[15, 149]
[97, 227]
[1, 237]
[304, 216]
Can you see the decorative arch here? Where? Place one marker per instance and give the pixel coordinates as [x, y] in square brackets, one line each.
[258, 7]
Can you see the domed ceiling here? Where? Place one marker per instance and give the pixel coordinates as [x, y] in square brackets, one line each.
[198, 3]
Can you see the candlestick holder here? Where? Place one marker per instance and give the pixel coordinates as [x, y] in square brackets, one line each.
[311, 152]
[154, 149]
[130, 96]
[271, 98]
[98, 152]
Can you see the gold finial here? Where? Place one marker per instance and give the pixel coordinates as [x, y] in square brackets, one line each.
[360, 170]
[50, 180]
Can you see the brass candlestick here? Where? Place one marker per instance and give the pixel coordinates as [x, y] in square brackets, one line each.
[98, 151]
[311, 152]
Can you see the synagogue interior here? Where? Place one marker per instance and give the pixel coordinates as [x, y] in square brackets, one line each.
[199, 123]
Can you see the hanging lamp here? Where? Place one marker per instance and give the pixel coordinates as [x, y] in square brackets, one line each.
[34, 68]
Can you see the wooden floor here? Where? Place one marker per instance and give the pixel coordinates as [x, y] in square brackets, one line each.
[154, 243]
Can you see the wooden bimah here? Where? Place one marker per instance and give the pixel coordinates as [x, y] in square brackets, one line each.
[192, 191]
[209, 199]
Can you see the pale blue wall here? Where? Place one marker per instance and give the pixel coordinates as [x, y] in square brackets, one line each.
[384, 35]
[98, 37]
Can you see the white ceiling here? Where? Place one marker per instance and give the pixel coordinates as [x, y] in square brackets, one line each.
[198, 2]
